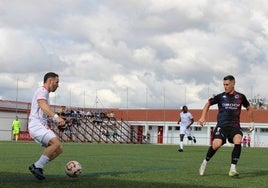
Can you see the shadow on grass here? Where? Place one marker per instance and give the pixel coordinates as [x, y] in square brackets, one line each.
[93, 180]
[256, 173]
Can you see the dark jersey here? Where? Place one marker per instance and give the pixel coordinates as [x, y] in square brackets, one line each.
[229, 108]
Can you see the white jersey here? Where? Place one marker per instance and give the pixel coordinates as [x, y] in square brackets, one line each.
[38, 120]
[185, 119]
[37, 115]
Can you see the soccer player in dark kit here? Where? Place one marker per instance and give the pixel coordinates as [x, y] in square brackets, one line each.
[229, 103]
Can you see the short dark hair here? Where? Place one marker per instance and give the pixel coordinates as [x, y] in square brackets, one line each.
[229, 77]
[50, 75]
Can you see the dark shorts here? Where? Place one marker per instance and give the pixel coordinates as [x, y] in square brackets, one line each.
[225, 133]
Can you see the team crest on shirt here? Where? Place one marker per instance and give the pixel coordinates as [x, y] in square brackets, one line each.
[236, 96]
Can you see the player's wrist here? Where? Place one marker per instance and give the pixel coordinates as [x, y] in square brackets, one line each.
[251, 127]
[55, 117]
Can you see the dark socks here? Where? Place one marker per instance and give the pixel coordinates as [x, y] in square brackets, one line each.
[210, 153]
[236, 153]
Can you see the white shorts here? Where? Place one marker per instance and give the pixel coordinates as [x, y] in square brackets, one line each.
[41, 133]
[185, 131]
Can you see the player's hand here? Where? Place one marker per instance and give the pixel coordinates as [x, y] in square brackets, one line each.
[62, 125]
[202, 122]
[251, 127]
[60, 121]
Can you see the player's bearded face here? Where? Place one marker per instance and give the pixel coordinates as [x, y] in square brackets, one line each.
[54, 84]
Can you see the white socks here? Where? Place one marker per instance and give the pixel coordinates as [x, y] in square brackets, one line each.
[181, 145]
[41, 162]
[233, 167]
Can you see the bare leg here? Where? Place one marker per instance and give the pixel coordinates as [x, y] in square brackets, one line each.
[54, 149]
[181, 142]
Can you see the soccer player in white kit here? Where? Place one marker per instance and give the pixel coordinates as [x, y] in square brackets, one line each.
[185, 120]
[38, 124]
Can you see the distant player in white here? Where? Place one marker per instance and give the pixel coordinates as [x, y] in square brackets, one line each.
[185, 120]
[38, 124]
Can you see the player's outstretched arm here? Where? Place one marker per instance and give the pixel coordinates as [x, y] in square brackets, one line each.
[251, 117]
[44, 106]
[202, 119]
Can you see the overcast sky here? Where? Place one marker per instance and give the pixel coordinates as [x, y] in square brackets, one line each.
[133, 54]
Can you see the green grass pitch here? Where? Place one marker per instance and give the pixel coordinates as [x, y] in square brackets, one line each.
[132, 166]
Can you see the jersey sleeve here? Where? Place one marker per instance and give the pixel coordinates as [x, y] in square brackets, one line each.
[245, 102]
[214, 100]
[42, 95]
[191, 116]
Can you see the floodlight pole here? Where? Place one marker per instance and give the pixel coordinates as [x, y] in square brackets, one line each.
[17, 92]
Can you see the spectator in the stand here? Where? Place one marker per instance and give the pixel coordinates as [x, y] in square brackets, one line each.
[79, 114]
[90, 114]
[71, 113]
[96, 119]
[112, 116]
[115, 134]
[60, 111]
[106, 133]
[68, 112]
[74, 121]
[74, 114]
[82, 113]
[103, 115]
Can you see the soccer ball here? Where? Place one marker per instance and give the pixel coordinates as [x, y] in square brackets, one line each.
[73, 169]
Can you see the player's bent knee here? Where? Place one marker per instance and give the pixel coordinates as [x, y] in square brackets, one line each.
[60, 149]
[216, 146]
